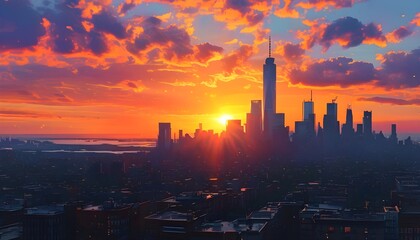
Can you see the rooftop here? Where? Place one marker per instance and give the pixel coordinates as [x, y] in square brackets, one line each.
[45, 210]
[234, 226]
[171, 216]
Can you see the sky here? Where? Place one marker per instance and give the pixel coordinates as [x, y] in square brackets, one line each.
[119, 67]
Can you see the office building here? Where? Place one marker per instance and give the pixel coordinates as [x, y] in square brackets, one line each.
[254, 120]
[269, 92]
[308, 109]
[367, 123]
[393, 138]
[331, 125]
[234, 127]
[347, 129]
[164, 137]
[107, 221]
[44, 223]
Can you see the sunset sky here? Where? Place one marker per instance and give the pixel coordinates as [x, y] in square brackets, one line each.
[120, 67]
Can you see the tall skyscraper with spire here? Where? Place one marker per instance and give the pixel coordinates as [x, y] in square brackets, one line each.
[269, 92]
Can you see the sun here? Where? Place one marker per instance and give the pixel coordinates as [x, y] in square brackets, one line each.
[224, 118]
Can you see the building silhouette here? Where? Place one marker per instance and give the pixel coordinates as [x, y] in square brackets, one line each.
[393, 138]
[308, 109]
[234, 127]
[164, 137]
[367, 123]
[44, 222]
[347, 128]
[269, 93]
[254, 120]
[331, 125]
[305, 129]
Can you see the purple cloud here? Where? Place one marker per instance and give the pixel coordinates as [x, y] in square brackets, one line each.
[20, 25]
[340, 71]
[394, 101]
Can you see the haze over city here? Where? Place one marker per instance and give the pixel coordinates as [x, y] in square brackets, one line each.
[119, 67]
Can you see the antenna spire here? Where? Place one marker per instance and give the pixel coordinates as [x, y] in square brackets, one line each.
[269, 46]
[311, 95]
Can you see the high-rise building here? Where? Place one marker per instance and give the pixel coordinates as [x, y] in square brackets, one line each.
[269, 92]
[331, 125]
[367, 123]
[44, 222]
[234, 127]
[349, 117]
[332, 109]
[359, 130]
[393, 138]
[309, 117]
[348, 130]
[279, 120]
[254, 120]
[164, 137]
[308, 108]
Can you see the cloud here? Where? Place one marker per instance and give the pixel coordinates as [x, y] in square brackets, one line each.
[350, 32]
[398, 34]
[287, 11]
[175, 43]
[340, 71]
[416, 20]
[322, 4]
[180, 84]
[83, 27]
[347, 32]
[393, 101]
[237, 58]
[397, 70]
[127, 5]
[290, 7]
[292, 52]
[106, 23]
[7, 113]
[400, 69]
[206, 51]
[243, 6]
[20, 25]
[170, 43]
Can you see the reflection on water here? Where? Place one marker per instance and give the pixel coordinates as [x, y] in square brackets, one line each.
[115, 142]
[86, 151]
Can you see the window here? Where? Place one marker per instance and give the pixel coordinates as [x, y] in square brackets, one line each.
[347, 229]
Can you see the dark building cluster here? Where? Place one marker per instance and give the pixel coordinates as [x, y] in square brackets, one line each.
[251, 182]
[265, 129]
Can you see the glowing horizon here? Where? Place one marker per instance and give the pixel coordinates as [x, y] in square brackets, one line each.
[121, 66]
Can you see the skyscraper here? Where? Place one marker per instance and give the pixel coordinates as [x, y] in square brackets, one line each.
[332, 110]
[308, 108]
[331, 125]
[367, 123]
[234, 127]
[348, 130]
[254, 120]
[164, 137]
[269, 92]
[393, 138]
[309, 116]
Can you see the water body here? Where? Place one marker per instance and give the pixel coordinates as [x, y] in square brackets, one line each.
[85, 151]
[145, 143]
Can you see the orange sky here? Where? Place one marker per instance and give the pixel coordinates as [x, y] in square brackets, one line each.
[120, 67]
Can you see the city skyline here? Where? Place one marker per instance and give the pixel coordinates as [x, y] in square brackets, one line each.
[89, 65]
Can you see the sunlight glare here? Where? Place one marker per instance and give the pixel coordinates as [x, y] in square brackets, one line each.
[224, 118]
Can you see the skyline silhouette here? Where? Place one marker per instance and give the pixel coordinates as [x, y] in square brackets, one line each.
[78, 67]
